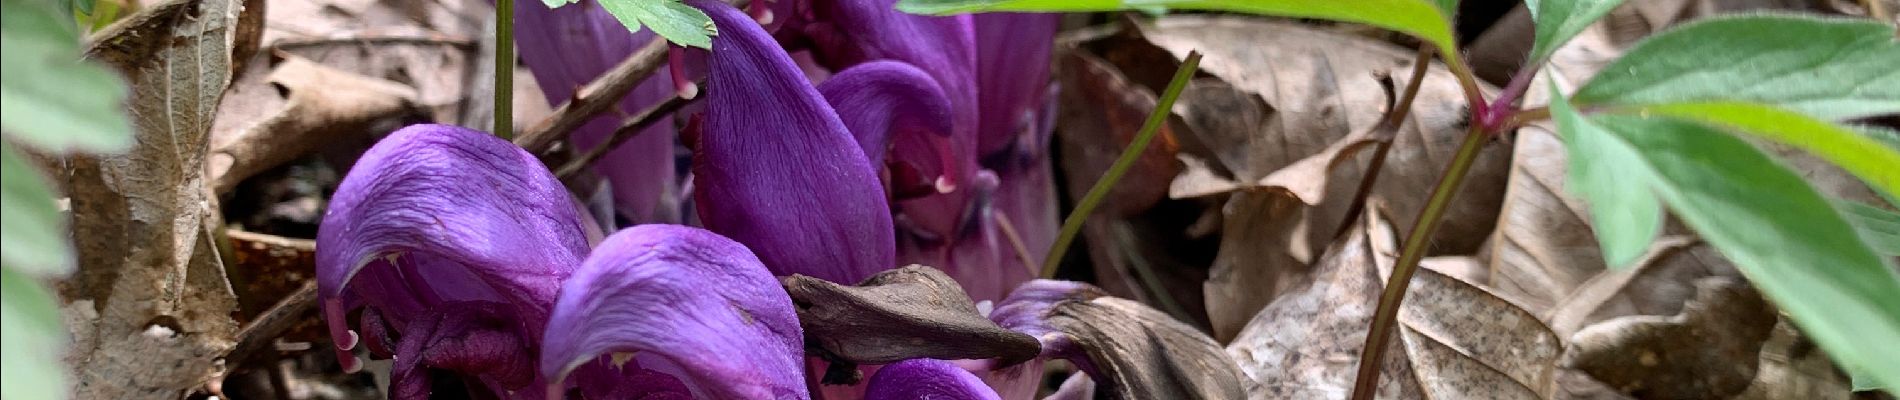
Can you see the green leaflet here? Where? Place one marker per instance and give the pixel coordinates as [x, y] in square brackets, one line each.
[1881, 228]
[1788, 240]
[32, 337]
[1425, 19]
[32, 232]
[1859, 154]
[1559, 20]
[1826, 68]
[1609, 174]
[675, 21]
[54, 100]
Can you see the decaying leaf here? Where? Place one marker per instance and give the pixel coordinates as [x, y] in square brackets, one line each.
[1137, 352]
[315, 105]
[1794, 368]
[1455, 339]
[1318, 89]
[430, 46]
[1710, 350]
[1108, 111]
[150, 268]
[1250, 270]
[900, 314]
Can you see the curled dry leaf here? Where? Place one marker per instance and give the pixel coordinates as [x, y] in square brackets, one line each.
[1710, 350]
[1457, 340]
[149, 263]
[1250, 270]
[431, 46]
[1137, 352]
[317, 105]
[900, 314]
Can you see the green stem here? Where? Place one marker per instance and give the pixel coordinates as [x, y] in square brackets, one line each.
[505, 69]
[1072, 225]
[1416, 241]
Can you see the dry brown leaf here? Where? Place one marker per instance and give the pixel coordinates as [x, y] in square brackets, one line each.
[1251, 270]
[1794, 368]
[318, 105]
[431, 46]
[1455, 341]
[1710, 350]
[900, 314]
[1142, 353]
[1105, 112]
[1317, 90]
[154, 306]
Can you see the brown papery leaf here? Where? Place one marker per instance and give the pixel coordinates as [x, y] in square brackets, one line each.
[431, 46]
[1710, 350]
[900, 314]
[316, 105]
[153, 306]
[1141, 353]
[1455, 339]
[1105, 112]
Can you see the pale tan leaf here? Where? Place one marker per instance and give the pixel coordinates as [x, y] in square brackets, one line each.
[1710, 350]
[1250, 269]
[143, 220]
[316, 105]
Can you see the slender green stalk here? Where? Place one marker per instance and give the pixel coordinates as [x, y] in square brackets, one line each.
[505, 69]
[1372, 355]
[1415, 243]
[1072, 225]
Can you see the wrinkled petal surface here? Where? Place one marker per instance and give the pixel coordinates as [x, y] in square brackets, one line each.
[695, 299]
[777, 170]
[472, 338]
[924, 378]
[567, 47]
[436, 213]
[1012, 65]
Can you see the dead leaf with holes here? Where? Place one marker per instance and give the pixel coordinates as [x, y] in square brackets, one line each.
[1455, 340]
[151, 304]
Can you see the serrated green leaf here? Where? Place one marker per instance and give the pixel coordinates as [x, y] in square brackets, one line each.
[1608, 174]
[1859, 154]
[32, 233]
[1425, 19]
[1559, 20]
[1786, 238]
[1827, 68]
[52, 100]
[1881, 228]
[675, 21]
[31, 336]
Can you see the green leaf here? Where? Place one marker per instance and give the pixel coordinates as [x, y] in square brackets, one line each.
[1881, 228]
[1559, 20]
[1425, 19]
[559, 3]
[1859, 154]
[1608, 173]
[32, 232]
[53, 100]
[32, 337]
[1787, 239]
[84, 6]
[1826, 68]
[675, 21]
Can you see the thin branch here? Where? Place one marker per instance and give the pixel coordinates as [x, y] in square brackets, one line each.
[1073, 224]
[458, 42]
[1384, 134]
[598, 96]
[1015, 241]
[264, 330]
[627, 130]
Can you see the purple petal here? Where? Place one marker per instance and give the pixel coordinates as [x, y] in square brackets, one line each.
[924, 378]
[436, 213]
[881, 101]
[777, 170]
[1012, 64]
[567, 47]
[689, 298]
[853, 32]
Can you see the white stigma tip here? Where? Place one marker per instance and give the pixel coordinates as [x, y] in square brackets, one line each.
[944, 185]
[688, 91]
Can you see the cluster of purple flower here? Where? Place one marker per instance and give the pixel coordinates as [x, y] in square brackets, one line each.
[890, 139]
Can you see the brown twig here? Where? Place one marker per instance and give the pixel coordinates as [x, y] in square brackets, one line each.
[458, 42]
[1384, 133]
[627, 130]
[264, 330]
[599, 95]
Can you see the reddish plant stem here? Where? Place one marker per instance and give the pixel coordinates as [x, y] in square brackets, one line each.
[1384, 133]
